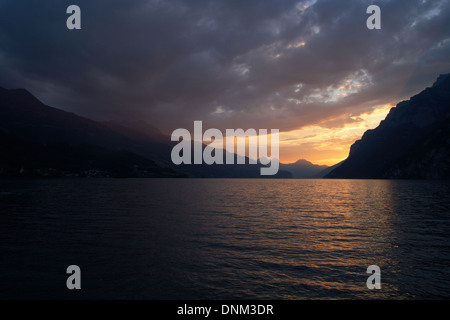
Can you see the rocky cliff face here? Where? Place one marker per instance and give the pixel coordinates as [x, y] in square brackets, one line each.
[413, 142]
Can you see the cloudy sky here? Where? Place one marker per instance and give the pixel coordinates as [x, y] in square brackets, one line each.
[310, 68]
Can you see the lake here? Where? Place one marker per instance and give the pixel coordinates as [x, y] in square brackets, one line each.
[224, 238]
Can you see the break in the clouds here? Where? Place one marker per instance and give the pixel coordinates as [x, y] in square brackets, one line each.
[253, 64]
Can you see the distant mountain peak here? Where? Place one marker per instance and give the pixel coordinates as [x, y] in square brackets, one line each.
[303, 169]
[304, 162]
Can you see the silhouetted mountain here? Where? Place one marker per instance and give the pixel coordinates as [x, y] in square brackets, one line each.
[38, 126]
[303, 169]
[326, 171]
[227, 170]
[139, 128]
[24, 116]
[21, 158]
[413, 142]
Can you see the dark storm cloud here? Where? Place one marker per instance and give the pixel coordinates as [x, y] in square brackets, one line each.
[252, 64]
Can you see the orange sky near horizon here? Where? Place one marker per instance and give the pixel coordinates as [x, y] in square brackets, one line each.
[329, 141]
[325, 143]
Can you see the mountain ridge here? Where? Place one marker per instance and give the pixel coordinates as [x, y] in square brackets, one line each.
[303, 169]
[24, 117]
[412, 142]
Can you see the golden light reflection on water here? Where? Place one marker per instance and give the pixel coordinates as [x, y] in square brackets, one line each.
[310, 233]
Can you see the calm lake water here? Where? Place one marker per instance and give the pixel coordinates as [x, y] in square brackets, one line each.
[224, 239]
